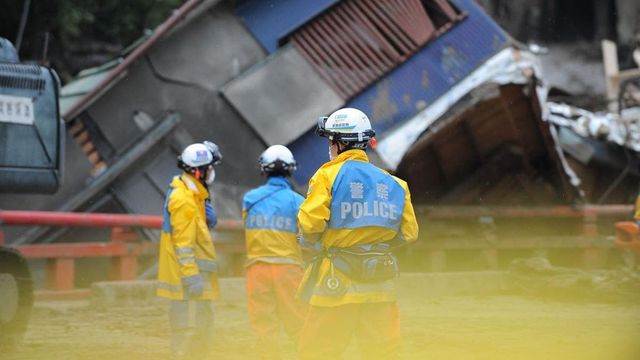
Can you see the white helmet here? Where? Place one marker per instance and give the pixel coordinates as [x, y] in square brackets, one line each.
[277, 159]
[346, 125]
[215, 151]
[196, 155]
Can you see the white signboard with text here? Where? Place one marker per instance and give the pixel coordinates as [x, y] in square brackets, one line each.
[16, 109]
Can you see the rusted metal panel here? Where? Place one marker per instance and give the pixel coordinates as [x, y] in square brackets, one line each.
[272, 21]
[424, 77]
[373, 37]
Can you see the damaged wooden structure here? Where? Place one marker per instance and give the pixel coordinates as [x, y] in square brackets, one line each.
[459, 114]
[492, 148]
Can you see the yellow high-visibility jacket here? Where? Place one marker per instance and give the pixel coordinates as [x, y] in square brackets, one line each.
[351, 202]
[186, 247]
[269, 215]
[636, 216]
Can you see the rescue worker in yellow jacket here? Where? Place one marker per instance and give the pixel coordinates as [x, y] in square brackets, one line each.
[187, 269]
[274, 259]
[359, 213]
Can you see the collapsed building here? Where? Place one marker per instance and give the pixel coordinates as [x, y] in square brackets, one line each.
[460, 112]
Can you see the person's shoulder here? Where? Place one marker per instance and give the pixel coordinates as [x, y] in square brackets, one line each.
[180, 197]
[254, 193]
[400, 181]
[293, 194]
[329, 170]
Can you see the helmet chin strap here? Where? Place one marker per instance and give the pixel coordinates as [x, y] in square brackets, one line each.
[339, 145]
[347, 146]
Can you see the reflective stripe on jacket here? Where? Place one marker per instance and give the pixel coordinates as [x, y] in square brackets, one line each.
[269, 213]
[351, 202]
[186, 247]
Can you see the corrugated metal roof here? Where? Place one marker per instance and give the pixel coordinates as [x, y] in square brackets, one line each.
[271, 21]
[412, 86]
[374, 37]
[86, 81]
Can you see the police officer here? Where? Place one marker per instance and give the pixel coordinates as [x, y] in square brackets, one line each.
[187, 269]
[274, 261]
[359, 213]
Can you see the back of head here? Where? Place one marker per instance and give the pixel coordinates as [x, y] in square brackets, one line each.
[277, 160]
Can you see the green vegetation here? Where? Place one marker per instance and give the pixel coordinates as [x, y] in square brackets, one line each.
[80, 33]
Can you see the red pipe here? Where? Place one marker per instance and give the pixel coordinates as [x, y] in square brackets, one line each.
[460, 212]
[52, 218]
[71, 219]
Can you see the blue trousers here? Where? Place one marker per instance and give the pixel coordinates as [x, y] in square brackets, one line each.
[191, 323]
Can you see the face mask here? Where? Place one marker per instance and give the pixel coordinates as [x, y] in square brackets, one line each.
[211, 176]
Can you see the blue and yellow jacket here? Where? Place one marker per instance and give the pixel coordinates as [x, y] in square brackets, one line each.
[269, 214]
[186, 247]
[351, 202]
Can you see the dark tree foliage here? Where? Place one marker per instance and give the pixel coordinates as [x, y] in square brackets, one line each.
[77, 34]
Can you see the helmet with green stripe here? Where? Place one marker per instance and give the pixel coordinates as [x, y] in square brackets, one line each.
[347, 125]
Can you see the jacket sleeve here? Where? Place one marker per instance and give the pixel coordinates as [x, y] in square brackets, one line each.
[184, 224]
[245, 205]
[408, 225]
[315, 209]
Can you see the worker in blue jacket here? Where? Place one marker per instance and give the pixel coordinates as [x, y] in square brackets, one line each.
[274, 259]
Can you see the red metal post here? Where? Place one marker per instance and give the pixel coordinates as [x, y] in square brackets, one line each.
[124, 267]
[61, 274]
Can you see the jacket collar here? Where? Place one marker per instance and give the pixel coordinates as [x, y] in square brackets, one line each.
[358, 155]
[279, 181]
[187, 181]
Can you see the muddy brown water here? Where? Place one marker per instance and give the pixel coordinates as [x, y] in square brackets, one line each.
[448, 327]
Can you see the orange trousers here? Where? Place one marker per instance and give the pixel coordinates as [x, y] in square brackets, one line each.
[328, 330]
[271, 290]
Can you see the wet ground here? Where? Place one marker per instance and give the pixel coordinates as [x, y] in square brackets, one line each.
[460, 327]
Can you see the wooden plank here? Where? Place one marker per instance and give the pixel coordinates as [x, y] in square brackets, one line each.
[610, 61]
[84, 250]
